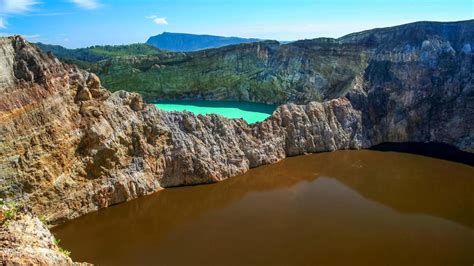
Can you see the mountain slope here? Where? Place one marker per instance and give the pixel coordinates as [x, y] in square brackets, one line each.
[184, 42]
[302, 71]
[86, 57]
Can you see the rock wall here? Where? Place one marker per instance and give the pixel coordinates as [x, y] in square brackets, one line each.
[427, 55]
[25, 240]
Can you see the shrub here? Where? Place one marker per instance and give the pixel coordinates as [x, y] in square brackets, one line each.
[65, 252]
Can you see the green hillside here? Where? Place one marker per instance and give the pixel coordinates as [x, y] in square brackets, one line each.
[87, 57]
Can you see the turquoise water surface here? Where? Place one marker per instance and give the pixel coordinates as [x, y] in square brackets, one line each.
[250, 112]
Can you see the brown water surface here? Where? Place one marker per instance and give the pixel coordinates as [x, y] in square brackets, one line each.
[339, 208]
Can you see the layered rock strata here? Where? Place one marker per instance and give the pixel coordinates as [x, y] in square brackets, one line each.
[25, 240]
[425, 55]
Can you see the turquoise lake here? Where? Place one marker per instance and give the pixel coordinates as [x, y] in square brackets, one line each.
[250, 112]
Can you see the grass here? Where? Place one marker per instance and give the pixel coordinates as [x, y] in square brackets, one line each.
[43, 219]
[65, 252]
[8, 211]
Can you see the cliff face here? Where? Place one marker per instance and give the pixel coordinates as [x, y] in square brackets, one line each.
[303, 71]
[25, 240]
[264, 72]
[418, 83]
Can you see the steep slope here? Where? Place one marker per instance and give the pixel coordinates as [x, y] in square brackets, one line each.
[185, 42]
[303, 71]
[25, 240]
[87, 57]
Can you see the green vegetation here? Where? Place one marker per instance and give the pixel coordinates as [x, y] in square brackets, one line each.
[264, 72]
[43, 219]
[8, 210]
[65, 252]
[229, 73]
[88, 57]
[124, 50]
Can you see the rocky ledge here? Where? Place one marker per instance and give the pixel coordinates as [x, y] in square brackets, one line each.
[69, 147]
[25, 240]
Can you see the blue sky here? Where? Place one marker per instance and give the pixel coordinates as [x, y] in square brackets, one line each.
[80, 23]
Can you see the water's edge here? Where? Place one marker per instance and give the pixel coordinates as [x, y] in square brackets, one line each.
[431, 149]
[243, 105]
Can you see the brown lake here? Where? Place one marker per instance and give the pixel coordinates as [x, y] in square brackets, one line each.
[339, 208]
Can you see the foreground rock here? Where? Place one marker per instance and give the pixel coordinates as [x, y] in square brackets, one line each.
[25, 240]
[69, 147]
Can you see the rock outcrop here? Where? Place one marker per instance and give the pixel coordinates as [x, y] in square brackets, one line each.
[25, 240]
[69, 147]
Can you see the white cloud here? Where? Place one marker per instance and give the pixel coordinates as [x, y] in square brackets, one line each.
[8, 7]
[86, 4]
[158, 20]
[16, 6]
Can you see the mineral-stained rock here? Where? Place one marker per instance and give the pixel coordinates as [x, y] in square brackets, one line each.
[25, 240]
[83, 94]
[423, 54]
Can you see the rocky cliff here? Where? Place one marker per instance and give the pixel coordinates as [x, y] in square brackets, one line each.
[431, 53]
[68, 146]
[25, 240]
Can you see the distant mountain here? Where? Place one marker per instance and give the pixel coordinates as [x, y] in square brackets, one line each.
[84, 57]
[183, 42]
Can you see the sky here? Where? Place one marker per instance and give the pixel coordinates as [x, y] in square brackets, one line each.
[82, 23]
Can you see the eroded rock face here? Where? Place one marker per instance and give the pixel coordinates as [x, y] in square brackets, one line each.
[25, 240]
[415, 56]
